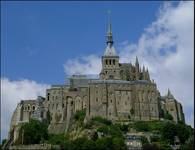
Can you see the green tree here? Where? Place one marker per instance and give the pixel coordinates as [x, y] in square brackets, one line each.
[80, 115]
[189, 145]
[104, 143]
[169, 131]
[124, 128]
[89, 145]
[104, 129]
[183, 132]
[102, 120]
[141, 126]
[34, 131]
[118, 144]
[150, 147]
[144, 140]
[57, 139]
[168, 116]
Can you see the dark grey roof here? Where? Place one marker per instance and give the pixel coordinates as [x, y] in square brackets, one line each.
[110, 81]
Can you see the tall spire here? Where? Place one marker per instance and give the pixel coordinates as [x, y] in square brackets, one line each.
[110, 50]
[109, 33]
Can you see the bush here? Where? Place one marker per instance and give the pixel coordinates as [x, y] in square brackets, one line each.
[169, 131]
[183, 132]
[141, 126]
[150, 147]
[144, 140]
[164, 145]
[102, 120]
[104, 129]
[89, 145]
[168, 116]
[118, 144]
[57, 139]
[124, 128]
[154, 138]
[34, 132]
[104, 143]
[156, 125]
[80, 115]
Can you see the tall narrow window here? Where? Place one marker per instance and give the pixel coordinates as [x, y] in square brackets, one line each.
[106, 62]
[113, 61]
[110, 61]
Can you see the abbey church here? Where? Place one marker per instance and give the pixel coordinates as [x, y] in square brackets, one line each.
[123, 92]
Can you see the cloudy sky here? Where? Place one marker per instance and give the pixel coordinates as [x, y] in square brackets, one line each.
[43, 42]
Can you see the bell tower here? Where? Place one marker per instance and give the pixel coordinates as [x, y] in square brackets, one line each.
[110, 59]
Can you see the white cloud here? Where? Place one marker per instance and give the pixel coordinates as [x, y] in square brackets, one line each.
[84, 65]
[11, 94]
[166, 47]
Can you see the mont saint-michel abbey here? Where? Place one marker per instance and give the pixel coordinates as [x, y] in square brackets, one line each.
[123, 91]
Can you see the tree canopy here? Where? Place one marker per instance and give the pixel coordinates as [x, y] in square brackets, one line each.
[34, 132]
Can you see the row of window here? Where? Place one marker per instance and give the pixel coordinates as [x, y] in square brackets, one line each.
[29, 107]
[110, 61]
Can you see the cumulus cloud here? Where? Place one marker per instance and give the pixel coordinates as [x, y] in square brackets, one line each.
[165, 47]
[84, 65]
[11, 94]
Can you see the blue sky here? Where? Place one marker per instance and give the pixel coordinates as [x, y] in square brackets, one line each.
[38, 37]
[42, 42]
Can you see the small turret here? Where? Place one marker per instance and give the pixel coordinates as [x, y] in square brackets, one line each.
[169, 94]
[147, 75]
[137, 63]
[144, 73]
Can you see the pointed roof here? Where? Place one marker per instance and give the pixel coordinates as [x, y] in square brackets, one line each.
[136, 61]
[143, 68]
[169, 94]
[110, 50]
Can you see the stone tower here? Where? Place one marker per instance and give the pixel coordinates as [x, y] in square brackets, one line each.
[110, 59]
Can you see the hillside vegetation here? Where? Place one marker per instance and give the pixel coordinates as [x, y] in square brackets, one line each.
[101, 134]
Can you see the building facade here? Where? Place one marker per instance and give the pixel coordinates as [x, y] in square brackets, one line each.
[123, 91]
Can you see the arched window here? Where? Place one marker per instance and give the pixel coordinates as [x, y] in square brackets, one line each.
[113, 61]
[110, 61]
[56, 106]
[106, 62]
[33, 107]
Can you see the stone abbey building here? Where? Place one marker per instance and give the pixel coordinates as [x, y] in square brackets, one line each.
[123, 91]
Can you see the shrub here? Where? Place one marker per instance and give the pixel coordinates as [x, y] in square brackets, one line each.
[104, 129]
[150, 147]
[154, 138]
[34, 131]
[168, 132]
[118, 144]
[168, 116]
[141, 126]
[102, 120]
[183, 132]
[80, 115]
[144, 140]
[56, 139]
[124, 127]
